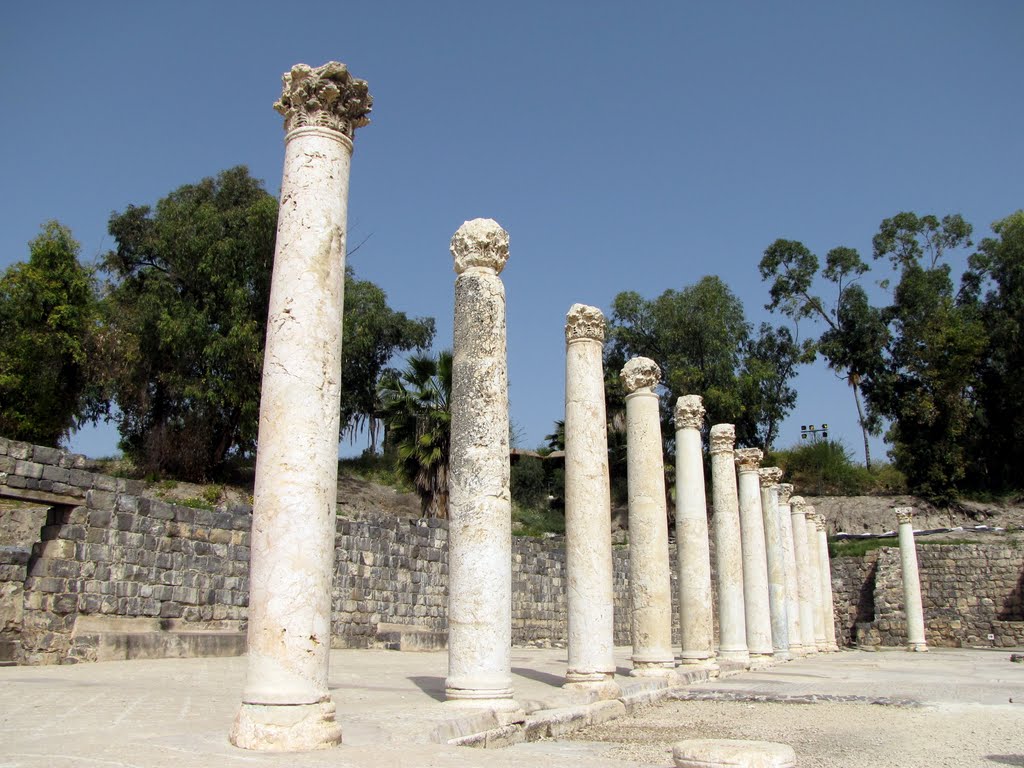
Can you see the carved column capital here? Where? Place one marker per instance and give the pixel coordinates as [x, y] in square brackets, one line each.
[785, 491]
[723, 438]
[640, 373]
[749, 459]
[326, 96]
[690, 412]
[769, 476]
[480, 243]
[584, 322]
[819, 521]
[797, 504]
[903, 514]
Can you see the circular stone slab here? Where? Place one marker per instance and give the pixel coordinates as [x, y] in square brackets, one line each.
[710, 753]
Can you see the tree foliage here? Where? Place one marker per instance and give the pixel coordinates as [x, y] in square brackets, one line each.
[47, 324]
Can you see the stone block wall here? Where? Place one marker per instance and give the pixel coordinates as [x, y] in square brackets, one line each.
[853, 594]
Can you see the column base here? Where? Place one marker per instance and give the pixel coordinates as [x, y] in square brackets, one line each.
[917, 647]
[833, 647]
[601, 684]
[659, 669]
[797, 651]
[740, 654]
[782, 654]
[285, 728]
[498, 699]
[697, 660]
[761, 660]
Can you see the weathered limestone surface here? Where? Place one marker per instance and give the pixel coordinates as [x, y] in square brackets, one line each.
[588, 541]
[480, 507]
[770, 477]
[814, 558]
[696, 620]
[732, 633]
[805, 573]
[828, 611]
[649, 575]
[796, 647]
[755, 558]
[734, 753]
[286, 704]
[911, 581]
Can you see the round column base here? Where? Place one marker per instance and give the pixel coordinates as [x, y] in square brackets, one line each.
[698, 660]
[761, 660]
[659, 669]
[917, 647]
[782, 654]
[797, 651]
[286, 728]
[833, 648]
[741, 655]
[498, 699]
[601, 684]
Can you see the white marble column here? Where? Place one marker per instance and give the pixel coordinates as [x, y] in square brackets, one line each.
[479, 503]
[778, 609]
[828, 608]
[732, 627]
[588, 537]
[286, 704]
[649, 575]
[755, 558]
[820, 641]
[911, 581]
[805, 576]
[696, 618]
[796, 645]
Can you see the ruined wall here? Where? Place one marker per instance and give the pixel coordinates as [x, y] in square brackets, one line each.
[853, 594]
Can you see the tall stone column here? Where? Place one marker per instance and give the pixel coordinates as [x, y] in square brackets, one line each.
[828, 608]
[770, 477]
[911, 581]
[805, 576]
[755, 558]
[796, 645]
[732, 627]
[588, 536]
[479, 503]
[820, 641]
[649, 576]
[286, 705]
[696, 619]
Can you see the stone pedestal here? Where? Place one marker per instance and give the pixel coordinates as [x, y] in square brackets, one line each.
[649, 575]
[755, 559]
[479, 503]
[828, 608]
[796, 645]
[588, 538]
[805, 576]
[696, 619]
[814, 557]
[732, 627]
[911, 581]
[286, 705]
[778, 609]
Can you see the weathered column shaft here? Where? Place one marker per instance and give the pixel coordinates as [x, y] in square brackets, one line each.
[588, 544]
[649, 574]
[732, 632]
[796, 646]
[805, 576]
[828, 609]
[286, 704]
[911, 581]
[755, 558]
[770, 477]
[696, 618]
[480, 507]
[818, 615]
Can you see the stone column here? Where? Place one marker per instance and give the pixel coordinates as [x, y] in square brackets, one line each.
[911, 581]
[755, 559]
[588, 537]
[480, 507]
[732, 627]
[804, 583]
[814, 556]
[796, 645]
[696, 619]
[770, 477]
[649, 576]
[286, 705]
[828, 608]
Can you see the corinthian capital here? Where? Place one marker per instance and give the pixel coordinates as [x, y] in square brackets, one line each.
[326, 96]
[480, 243]
[785, 491]
[748, 459]
[640, 372]
[723, 438]
[903, 514]
[797, 504]
[770, 476]
[584, 322]
[690, 412]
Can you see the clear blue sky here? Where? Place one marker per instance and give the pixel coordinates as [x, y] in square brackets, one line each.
[623, 146]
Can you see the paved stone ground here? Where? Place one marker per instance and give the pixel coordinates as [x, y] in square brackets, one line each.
[175, 713]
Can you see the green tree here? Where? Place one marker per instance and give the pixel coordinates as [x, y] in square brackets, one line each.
[416, 410]
[47, 321]
[769, 365]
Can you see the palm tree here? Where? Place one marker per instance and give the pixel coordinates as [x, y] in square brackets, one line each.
[415, 409]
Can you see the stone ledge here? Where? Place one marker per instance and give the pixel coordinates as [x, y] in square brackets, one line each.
[124, 646]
